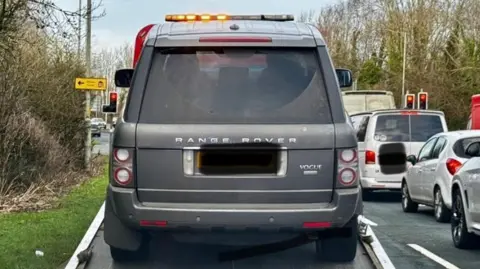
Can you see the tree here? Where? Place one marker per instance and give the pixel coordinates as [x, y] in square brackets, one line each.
[41, 117]
[442, 47]
[370, 74]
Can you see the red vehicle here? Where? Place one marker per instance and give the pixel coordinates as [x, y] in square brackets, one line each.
[474, 119]
[139, 42]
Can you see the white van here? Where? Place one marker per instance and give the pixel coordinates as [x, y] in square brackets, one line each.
[409, 127]
[361, 101]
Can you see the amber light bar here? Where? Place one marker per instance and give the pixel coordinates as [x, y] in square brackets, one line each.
[221, 17]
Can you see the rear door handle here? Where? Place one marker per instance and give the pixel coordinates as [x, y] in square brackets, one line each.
[432, 169]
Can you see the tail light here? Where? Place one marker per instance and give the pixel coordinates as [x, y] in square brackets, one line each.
[453, 166]
[140, 42]
[370, 157]
[347, 168]
[122, 165]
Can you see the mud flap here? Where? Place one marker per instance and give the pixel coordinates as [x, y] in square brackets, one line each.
[116, 234]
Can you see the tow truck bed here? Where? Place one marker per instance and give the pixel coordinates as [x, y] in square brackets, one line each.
[181, 255]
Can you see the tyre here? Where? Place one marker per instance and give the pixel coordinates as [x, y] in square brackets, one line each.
[441, 212]
[122, 255]
[408, 205]
[339, 249]
[461, 237]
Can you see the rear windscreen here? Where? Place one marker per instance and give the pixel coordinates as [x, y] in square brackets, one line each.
[401, 128]
[235, 85]
[355, 103]
[461, 145]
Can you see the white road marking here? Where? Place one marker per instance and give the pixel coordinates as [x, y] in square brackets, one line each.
[87, 238]
[433, 257]
[377, 247]
[366, 221]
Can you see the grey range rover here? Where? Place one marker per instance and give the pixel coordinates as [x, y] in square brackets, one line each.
[233, 127]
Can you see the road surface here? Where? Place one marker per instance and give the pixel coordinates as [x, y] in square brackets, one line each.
[103, 143]
[396, 230]
[174, 255]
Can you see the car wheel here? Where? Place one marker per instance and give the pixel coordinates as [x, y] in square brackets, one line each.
[122, 255]
[461, 237]
[340, 249]
[408, 205]
[442, 213]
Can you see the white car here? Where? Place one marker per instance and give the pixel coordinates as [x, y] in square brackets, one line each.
[466, 201]
[99, 123]
[367, 100]
[428, 181]
[382, 129]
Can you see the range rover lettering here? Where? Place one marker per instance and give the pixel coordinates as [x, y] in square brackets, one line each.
[215, 140]
[233, 126]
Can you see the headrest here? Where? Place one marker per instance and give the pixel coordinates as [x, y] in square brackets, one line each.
[177, 62]
[238, 72]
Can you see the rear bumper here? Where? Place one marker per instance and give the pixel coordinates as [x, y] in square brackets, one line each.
[373, 184]
[289, 217]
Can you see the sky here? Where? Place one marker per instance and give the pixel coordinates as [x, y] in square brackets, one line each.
[124, 18]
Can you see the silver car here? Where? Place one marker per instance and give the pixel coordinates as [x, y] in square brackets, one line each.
[98, 123]
[465, 220]
[94, 129]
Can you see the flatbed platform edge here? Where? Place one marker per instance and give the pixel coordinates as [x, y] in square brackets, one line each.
[374, 250]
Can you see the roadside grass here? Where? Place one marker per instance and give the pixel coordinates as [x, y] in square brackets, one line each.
[56, 232]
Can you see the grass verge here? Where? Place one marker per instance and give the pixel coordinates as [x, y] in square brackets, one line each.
[56, 232]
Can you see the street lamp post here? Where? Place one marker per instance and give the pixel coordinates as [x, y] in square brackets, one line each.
[79, 45]
[88, 54]
[404, 66]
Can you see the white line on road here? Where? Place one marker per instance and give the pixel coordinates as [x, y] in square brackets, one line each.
[378, 249]
[366, 221]
[433, 257]
[87, 238]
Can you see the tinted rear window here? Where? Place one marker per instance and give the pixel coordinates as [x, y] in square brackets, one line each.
[461, 145]
[233, 85]
[414, 128]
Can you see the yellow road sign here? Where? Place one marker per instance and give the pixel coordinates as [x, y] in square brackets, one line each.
[93, 84]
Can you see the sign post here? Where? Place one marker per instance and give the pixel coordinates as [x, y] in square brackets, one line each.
[87, 85]
[88, 71]
[92, 84]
